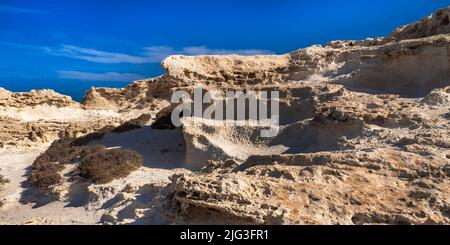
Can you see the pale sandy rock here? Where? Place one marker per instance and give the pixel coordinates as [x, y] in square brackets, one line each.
[435, 24]
[376, 189]
[35, 97]
[363, 139]
[93, 99]
[437, 97]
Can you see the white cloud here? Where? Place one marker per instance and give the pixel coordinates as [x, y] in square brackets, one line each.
[4, 8]
[203, 50]
[158, 53]
[152, 54]
[95, 55]
[107, 77]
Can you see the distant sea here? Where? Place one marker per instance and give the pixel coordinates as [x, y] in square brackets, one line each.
[72, 88]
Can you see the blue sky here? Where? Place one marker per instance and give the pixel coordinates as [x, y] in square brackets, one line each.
[72, 45]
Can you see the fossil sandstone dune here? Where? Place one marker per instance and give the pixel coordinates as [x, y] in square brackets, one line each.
[363, 138]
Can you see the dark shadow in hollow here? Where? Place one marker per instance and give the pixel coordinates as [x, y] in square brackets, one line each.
[164, 149]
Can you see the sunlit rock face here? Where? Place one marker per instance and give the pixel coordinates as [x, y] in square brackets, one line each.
[363, 137]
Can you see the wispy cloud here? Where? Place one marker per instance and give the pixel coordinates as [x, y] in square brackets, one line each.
[203, 50]
[152, 54]
[95, 55]
[4, 8]
[107, 77]
[158, 53]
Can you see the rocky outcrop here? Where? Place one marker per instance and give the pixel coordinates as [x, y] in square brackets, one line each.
[36, 118]
[34, 98]
[363, 137]
[379, 187]
[435, 24]
[363, 159]
[357, 144]
[142, 95]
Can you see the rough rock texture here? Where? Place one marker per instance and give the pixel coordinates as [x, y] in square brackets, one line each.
[436, 24]
[33, 98]
[363, 137]
[140, 95]
[38, 117]
[369, 151]
[17, 133]
[361, 159]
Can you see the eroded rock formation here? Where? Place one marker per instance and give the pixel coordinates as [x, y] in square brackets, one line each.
[363, 138]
